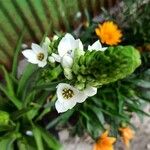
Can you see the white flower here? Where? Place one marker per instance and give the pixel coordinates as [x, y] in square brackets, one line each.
[68, 96]
[96, 46]
[36, 55]
[29, 133]
[66, 49]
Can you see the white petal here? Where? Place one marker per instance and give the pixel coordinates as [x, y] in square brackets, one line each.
[103, 49]
[42, 63]
[36, 48]
[96, 46]
[62, 107]
[56, 57]
[81, 97]
[80, 45]
[67, 61]
[45, 47]
[31, 56]
[66, 44]
[45, 54]
[90, 91]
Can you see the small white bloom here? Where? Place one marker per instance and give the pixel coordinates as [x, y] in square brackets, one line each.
[96, 46]
[36, 55]
[68, 44]
[66, 49]
[29, 133]
[67, 61]
[51, 59]
[68, 96]
[55, 37]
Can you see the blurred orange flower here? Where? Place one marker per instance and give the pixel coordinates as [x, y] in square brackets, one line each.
[109, 33]
[127, 135]
[104, 142]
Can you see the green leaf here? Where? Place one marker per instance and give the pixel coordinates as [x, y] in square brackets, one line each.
[94, 132]
[22, 144]
[24, 81]
[137, 109]
[31, 114]
[6, 128]
[48, 85]
[62, 118]
[98, 113]
[17, 114]
[44, 112]
[142, 83]
[17, 50]
[9, 84]
[12, 98]
[30, 97]
[9, 89]
[6, 144]
[85, 115]
[50, 140]
[38, 138]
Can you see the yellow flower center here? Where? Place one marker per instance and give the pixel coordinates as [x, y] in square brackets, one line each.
[40, 56]
[67, 93]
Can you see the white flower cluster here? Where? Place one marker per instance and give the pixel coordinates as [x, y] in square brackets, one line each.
[67, 95]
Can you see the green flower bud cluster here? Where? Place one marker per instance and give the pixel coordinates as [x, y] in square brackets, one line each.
[4, 118]
[96, 68]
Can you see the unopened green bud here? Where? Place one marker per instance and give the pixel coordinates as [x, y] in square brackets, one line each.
[68, 73]
[4, 118]
[80, 86]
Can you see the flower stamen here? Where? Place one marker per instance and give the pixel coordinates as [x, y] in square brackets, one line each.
[40, 56]
[69, 52]
[67, 93]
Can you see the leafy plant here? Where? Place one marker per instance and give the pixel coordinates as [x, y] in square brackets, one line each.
[21, 109]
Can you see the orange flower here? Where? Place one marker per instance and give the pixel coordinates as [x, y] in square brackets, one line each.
[104, 142]
[109, 33]
[127, 135]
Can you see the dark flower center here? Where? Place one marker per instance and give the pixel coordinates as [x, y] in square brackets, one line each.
[67, 93]
[40, 56]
